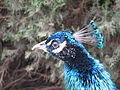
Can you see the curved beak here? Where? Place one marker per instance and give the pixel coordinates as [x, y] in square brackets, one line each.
[40, 46]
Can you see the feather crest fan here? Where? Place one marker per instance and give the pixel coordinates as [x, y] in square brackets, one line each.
[90, 35]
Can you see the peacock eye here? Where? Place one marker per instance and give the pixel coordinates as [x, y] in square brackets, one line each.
[55, 44]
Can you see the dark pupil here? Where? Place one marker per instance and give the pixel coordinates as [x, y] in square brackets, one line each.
[55, 45]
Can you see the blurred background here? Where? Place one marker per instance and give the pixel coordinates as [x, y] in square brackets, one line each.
[23, 23]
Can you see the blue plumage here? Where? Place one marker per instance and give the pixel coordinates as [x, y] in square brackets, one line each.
[82, 71]
[97, 34]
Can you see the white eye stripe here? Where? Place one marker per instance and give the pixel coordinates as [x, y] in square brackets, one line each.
[49, 43]
[61, 46]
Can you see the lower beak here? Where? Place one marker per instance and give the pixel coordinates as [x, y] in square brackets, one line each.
[40, 46]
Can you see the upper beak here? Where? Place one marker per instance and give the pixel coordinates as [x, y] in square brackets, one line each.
[41, 46]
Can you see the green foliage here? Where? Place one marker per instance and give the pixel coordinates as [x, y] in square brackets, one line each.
[29, 17]
[106, 4]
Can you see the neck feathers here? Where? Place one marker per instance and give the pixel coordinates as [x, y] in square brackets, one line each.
[83, 72]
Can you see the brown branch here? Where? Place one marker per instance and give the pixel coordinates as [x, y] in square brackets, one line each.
[4, 17]
[2, 7]
[10, 84]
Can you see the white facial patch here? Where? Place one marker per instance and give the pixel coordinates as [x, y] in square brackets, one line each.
[60, 48]
[49, 43]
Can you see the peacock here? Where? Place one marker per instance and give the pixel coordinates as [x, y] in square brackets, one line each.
[81, 70]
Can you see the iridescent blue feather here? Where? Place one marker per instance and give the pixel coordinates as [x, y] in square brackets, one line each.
[90, 35]
[97, 34]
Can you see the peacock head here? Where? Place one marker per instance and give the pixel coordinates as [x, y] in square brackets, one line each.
[65, 44]
[59, 45]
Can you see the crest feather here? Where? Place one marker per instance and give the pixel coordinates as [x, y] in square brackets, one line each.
[90, 35]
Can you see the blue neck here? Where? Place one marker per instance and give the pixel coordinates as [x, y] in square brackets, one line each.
[83, 61]
[86, 72]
